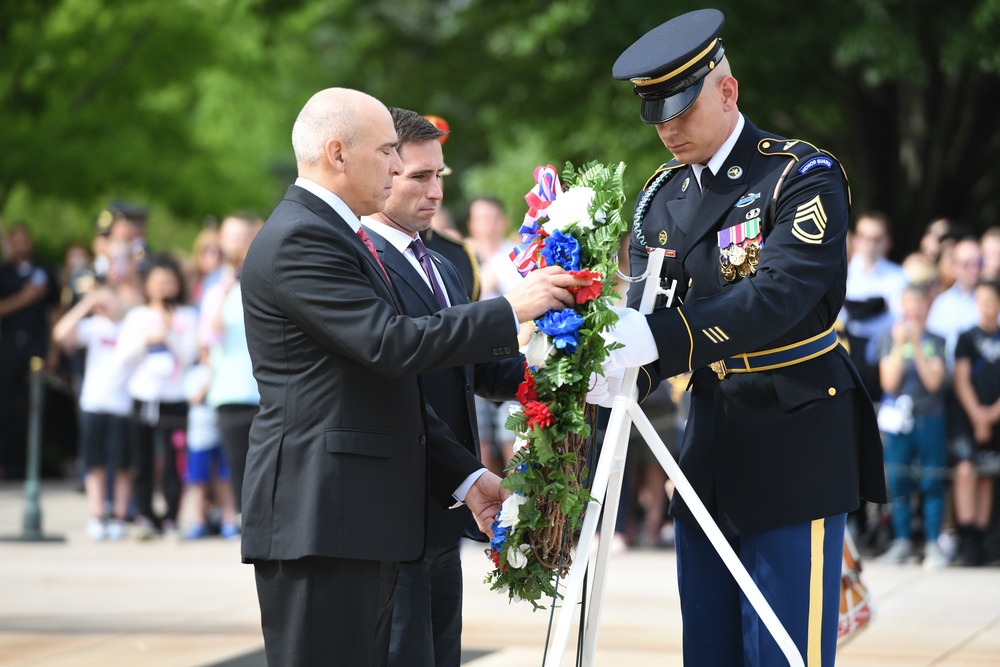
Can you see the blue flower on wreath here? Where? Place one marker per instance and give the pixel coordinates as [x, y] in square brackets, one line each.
[499, 536]
[562, 327]
[562, 250]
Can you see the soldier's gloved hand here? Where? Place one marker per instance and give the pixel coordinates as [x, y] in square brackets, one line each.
[632, 331]
[604, 388]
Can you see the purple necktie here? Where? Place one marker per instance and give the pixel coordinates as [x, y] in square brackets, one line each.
[420, 252]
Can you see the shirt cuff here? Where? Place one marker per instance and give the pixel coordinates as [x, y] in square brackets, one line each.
[463, 490]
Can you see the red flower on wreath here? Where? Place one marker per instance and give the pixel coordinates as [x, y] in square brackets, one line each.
[526, 392]
[587, 292]
[537, 414]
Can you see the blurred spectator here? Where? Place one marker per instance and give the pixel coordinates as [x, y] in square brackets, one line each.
[207, 256]
[488, 229]
[989, 245]
[488, 237]
[29, 295]
[954, 310]
[922, 271]
[872, 300]
[206, 465]
[93, 325]
[128, 225]
[911, 417]
[157, 343]
[233, 389]
[77, 275]
[977, 449]
[934, 233]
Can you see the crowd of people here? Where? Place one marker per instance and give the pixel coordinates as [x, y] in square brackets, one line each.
[155, 350]
[152, 348]
[924, 335]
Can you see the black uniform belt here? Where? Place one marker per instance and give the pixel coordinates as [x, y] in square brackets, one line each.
[779, 357]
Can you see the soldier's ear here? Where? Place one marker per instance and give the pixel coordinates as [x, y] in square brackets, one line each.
[730, 89]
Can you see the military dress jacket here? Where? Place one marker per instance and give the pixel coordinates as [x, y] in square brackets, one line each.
[760, 263]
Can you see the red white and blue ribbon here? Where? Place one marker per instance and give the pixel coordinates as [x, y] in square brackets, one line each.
[547, 188]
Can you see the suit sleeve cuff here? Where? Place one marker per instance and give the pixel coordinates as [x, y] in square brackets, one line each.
[463, 490]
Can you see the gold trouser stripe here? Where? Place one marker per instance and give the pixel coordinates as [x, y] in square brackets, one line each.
[814, 646]
[690, 338]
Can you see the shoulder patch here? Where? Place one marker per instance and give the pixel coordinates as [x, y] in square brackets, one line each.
[815, 162]
[795, 148]
[668, 166]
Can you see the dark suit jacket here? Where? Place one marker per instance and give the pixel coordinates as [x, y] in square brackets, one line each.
[774, 447]
[343, 440]
[460, 255]
[450, 392]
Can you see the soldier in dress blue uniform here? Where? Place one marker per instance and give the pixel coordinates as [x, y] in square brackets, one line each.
[781, 440]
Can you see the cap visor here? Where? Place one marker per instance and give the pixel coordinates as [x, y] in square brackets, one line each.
[654, 112]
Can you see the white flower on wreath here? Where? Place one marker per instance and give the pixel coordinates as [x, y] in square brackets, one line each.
[538, 349]
[519, 444]
[571, 207]
[518, 558]
[509, 510]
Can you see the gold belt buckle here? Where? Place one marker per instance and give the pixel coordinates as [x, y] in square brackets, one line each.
[720, 369]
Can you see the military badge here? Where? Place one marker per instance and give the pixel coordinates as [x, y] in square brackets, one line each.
[747, 199]
[734, 172]
[685, 184]
[739, 249]
[824, 162]
[662, 237]
[809, 225]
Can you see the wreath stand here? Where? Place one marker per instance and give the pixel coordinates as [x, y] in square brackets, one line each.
[606, 491]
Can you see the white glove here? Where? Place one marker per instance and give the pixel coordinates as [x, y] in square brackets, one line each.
[632, 331]
[605, 388]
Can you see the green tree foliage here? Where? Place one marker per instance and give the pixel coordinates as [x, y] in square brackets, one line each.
[188, 104]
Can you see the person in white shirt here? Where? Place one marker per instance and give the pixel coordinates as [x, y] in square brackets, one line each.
[94, 324]
[954, 310]
[874, 292]
[158, 342]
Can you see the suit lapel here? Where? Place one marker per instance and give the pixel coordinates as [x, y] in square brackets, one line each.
[452, 281]
[325, 212]
[403, 273]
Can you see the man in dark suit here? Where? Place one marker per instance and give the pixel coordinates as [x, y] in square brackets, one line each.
[344, 447]
[781, 440]
[427, 618]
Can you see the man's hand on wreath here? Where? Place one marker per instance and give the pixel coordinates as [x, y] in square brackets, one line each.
[484, 499]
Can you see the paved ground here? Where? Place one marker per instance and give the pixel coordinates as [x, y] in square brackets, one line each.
[170, 604]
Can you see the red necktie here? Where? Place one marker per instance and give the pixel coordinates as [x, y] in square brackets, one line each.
[363, 235]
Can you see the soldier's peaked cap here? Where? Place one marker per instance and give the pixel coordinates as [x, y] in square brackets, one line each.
[668, 64]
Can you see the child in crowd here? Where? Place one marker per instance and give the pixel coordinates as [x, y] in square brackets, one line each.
[206, 461]
[977, 448]
[94, 324]
[158, 342]
[912, 372]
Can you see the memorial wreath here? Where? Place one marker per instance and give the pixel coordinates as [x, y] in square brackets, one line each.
[579, 228]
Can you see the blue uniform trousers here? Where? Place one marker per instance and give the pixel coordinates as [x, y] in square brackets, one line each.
[797, 568]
